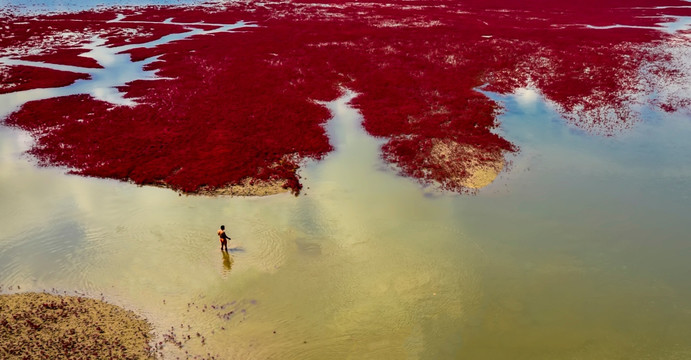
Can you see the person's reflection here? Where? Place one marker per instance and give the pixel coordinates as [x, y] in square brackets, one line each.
[227, 261]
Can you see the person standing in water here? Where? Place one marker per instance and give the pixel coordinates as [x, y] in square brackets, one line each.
[223, 238]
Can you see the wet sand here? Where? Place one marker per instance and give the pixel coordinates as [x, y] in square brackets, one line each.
[464, 166]
[46, 326]
[249, 187]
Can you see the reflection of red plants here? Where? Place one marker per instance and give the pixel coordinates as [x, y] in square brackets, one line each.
[241, 105]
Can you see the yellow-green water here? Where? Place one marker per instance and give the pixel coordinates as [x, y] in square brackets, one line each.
[579, 251]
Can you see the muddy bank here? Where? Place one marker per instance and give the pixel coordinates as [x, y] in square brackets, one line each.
[248, 187]
[45, 326]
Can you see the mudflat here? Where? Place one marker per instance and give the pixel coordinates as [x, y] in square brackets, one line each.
[48, 326]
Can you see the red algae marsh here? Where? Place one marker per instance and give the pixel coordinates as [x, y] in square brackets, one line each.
[235, 88]
[567, 124]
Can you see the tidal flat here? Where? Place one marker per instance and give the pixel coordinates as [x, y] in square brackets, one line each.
[577, 248]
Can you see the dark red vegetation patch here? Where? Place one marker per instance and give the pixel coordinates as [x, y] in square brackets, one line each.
[66, 57]
[244, 104]
[18, 78]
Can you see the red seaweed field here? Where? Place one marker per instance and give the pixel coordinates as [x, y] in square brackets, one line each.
[245, 105]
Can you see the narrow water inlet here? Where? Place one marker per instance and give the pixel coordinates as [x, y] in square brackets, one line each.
[117, 68]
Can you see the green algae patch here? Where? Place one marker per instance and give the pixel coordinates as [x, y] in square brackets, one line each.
[40, 325]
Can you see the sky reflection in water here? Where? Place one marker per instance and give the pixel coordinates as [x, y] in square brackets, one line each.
[578, 250]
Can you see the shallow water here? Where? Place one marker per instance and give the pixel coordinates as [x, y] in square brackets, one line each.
[39, 6]
[579, 251]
